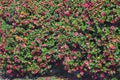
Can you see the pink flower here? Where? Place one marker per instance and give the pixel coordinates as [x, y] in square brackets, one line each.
[65, 46]
[73, 51]
[101, 21]
[102, 75]
[47, 78]
[112, 47]
[112, 27]
[76, 14]
[65, 0]
[105, 54]
[38, 60]
[67, 59]
[44, 45]
[81, 73]
[90, 23]
[86, 5]
[35, 71]
[35, 57]
[26, 22]
[47, 57]
[0, 7]
[81, 34]
[17, 60]
[7, 14]
[67, 13]
[117, 18]
[23, 45]
[1, 30]
[9, 71]
[113, 21]
[74, 57]
[17, 8]
[13, 67]
[8, 66]
[42, 65]
[108, 5]
[38, 40]
[89, 28]
[86, 62]
[103, 14]
[18, 67]
[35, 21]
[76, 34]
[32, 42]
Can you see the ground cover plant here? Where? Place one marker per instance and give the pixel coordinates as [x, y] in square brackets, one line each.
[82, 36]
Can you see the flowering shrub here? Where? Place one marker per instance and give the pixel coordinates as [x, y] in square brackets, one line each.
[84, 35]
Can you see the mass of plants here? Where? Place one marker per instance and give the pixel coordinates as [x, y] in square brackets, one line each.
[82, 36]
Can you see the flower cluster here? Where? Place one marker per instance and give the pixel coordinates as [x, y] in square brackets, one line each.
[84, 35]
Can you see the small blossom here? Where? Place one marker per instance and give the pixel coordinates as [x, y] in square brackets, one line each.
[108, 5]
[44, 45]
[0, 7]
[32, 42]
[113, 21]
[38, 40]
[76, 34]
[86, 5]
[81, 73]
[35, 57]
[67, 13]
[65, 0]
[9, 71]
[35, 71]
[47, 57]
[117, 3]
[103, 14]
[67, 59]
[112, 47]
[74, 57]
[112, 27]
[65, 46]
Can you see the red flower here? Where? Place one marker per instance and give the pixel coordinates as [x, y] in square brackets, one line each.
[117, 3]
[1, 31]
